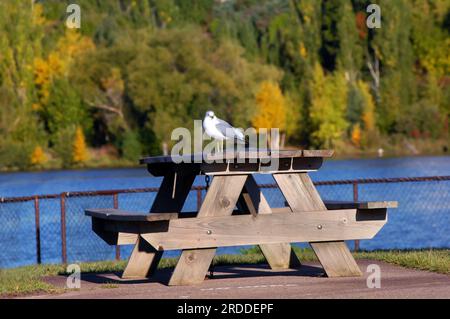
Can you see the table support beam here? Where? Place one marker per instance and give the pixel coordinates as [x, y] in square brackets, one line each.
[278, 256]
[143, 260]
[220, 200]
[170, 198]
[301, 195]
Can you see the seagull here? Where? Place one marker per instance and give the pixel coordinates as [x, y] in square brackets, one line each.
[221, 130]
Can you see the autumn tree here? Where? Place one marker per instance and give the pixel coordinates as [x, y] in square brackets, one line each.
[191, 74]
[79, 147]
[38, 157]
[271, 110]
[328, 105]
[22, 29]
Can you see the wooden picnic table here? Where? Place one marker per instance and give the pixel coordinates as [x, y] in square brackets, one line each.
[235, 212]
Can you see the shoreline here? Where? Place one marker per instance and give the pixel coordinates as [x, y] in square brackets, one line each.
[120, 165]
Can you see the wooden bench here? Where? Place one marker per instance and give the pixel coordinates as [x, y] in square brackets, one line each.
[235, 212]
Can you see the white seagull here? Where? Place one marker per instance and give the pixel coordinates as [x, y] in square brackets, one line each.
[221, 130]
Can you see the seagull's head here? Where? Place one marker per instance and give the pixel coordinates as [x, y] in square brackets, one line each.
[210, 114]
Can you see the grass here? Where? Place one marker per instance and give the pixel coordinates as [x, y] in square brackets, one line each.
[30, 279]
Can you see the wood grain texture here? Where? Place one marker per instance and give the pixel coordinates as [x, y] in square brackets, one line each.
[225, 231]
[120, 215]
[143, 261]
[301, 195]
[127, 239]
[167, 199]
[278, 255]
[220, 200]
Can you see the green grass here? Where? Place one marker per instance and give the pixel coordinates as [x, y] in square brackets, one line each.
[30, 279]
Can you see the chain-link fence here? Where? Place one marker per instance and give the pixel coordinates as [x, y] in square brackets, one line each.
[53, 228]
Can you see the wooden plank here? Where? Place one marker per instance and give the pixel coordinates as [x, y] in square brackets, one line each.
[143, 261]
[224, 163]
[170, 200]
[225, 231]
[278, 255]
[121, 215]
[192, 266]
[171, 196]
[247, 154]
[360, 205]
[220, 200]
[301, 195]
[318, 153]
[127, 239]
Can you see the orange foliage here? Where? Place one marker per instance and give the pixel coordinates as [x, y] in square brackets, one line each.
[38, 156]
[58, 62]
[361, 25]
[79, 147]
[356, 135]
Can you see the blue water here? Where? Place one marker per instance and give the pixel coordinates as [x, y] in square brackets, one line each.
[54, 182]
[421, 221]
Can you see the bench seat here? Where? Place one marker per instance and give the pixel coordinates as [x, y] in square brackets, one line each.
[332, 205]
[121, 215]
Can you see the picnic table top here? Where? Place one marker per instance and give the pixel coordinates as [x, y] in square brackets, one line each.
[247, 154]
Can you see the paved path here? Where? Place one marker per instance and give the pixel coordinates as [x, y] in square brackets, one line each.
[260, 282]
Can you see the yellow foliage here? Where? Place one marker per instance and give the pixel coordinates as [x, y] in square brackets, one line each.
[271, 107]
[59, 61]
[368, 115]
[38, 156]
[302, 50]
[356, 135]
[38, 14]
[79, 147]
[73, 44]
[35, 106]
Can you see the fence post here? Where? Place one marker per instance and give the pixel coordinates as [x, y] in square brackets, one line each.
[38, 229]
[116, 206]
[63, 229]
[355, 199]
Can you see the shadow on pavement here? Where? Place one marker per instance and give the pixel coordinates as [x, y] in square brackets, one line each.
[162, 276]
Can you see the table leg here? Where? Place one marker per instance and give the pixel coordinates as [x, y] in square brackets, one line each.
[302, 195]
[279, 256]
[144, 259]
[220, 200]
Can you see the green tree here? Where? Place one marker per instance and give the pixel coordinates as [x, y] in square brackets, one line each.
[392, 47]
[328, 105]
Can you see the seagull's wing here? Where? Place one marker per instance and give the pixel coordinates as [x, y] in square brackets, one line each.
[228, 131]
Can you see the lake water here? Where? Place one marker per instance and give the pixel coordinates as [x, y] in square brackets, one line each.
[53, 182]
[421, 221]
